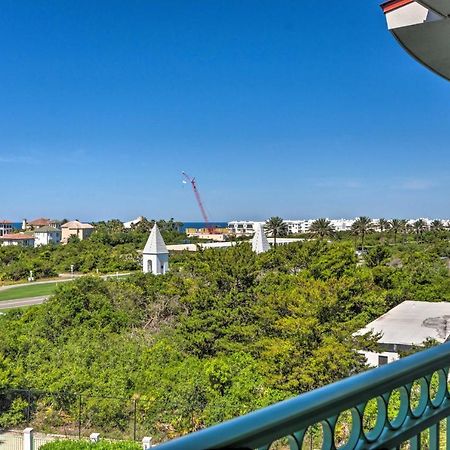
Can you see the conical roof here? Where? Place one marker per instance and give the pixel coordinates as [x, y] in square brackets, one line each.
[260, 244]
[155, 244]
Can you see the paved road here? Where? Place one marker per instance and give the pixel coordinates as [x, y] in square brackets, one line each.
[22, 302]
[63, 279]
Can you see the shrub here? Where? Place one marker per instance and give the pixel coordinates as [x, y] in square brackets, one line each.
[84, 445]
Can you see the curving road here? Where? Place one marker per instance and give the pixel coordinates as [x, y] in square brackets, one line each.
[23, 302]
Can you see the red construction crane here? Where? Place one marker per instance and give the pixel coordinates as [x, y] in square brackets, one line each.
[198, 198]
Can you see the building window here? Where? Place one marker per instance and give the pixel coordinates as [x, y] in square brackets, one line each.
[382, 360]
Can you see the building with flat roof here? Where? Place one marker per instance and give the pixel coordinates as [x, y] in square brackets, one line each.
[406, 326]
[5, 227]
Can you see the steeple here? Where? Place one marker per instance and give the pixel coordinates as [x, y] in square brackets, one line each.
[260, 244]
[155, 257]
[155, 243]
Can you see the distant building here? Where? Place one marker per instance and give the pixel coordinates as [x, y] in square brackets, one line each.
[407, 326]
[155, 257]
[260, 244]
[213, 234]
[23, 239]
[39, 223]
[47, 235]
[5, 227]
[243, 227]
[76, 228]
[130, 223]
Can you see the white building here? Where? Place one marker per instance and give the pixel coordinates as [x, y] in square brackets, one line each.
[133, 222]
[406, 326]
[47, 235]
[5, 227]
[300, 226]
[260, 244]
[243, 227]
[155, 257]
[23, 239]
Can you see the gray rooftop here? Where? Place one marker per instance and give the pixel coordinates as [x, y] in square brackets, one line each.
[411, 323]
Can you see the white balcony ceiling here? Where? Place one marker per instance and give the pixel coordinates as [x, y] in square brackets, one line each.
[423, 29]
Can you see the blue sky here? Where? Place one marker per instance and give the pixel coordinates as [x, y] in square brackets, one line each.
[297, 109]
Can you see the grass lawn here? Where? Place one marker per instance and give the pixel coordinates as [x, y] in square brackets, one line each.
[35, 290]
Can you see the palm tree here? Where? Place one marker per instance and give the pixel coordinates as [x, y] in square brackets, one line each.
[396, 227]
[419, 227]
[404, 228]
[361, 226]
[321, 228]
[384, 225]
[275, 226]
[437, 225]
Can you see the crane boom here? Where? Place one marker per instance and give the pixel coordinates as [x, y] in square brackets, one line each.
[193, 183]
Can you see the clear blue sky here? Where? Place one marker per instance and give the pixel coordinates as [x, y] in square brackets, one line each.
[290, 108]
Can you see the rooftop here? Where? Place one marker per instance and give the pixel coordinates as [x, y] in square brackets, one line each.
[39, 222]
[155, 244]
[16, 237]
[75, 224]
[412, 322]
[47, 229]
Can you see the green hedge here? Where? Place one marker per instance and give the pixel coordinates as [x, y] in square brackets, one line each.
[83, 445]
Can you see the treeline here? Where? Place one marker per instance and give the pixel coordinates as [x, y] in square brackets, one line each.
[224, 333]
[109, 249]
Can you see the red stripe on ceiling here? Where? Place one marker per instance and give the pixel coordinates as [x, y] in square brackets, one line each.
[394, 4]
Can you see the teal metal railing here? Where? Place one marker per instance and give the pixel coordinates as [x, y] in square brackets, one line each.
[407, 401]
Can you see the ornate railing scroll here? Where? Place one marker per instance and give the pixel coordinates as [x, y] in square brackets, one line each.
[407, 401]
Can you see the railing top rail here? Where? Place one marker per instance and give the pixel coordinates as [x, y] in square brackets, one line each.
[265, 425]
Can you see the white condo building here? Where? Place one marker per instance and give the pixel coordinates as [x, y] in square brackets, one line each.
[302, 226]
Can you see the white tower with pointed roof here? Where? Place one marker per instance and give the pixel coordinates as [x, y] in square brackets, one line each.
[260, 244]
[155, 257]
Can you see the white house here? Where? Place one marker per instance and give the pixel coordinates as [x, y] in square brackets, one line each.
[155, 257]
[5, 227]
[23, 239]
[406, 326]
[47, 235]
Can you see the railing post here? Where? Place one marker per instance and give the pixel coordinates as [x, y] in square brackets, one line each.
[434, 436]
[146, 442]
[28, 439]
[135, 419]
[447, 433]
[79, 417]
[94, 437]
[28, 406]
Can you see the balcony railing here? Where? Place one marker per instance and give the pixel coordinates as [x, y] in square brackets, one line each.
[402, 402]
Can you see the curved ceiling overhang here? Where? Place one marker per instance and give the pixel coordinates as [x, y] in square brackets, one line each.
[423, 29]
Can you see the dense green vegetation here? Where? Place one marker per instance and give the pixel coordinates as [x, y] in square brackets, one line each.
[111, 248]
[83, 445]
[224, 333]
